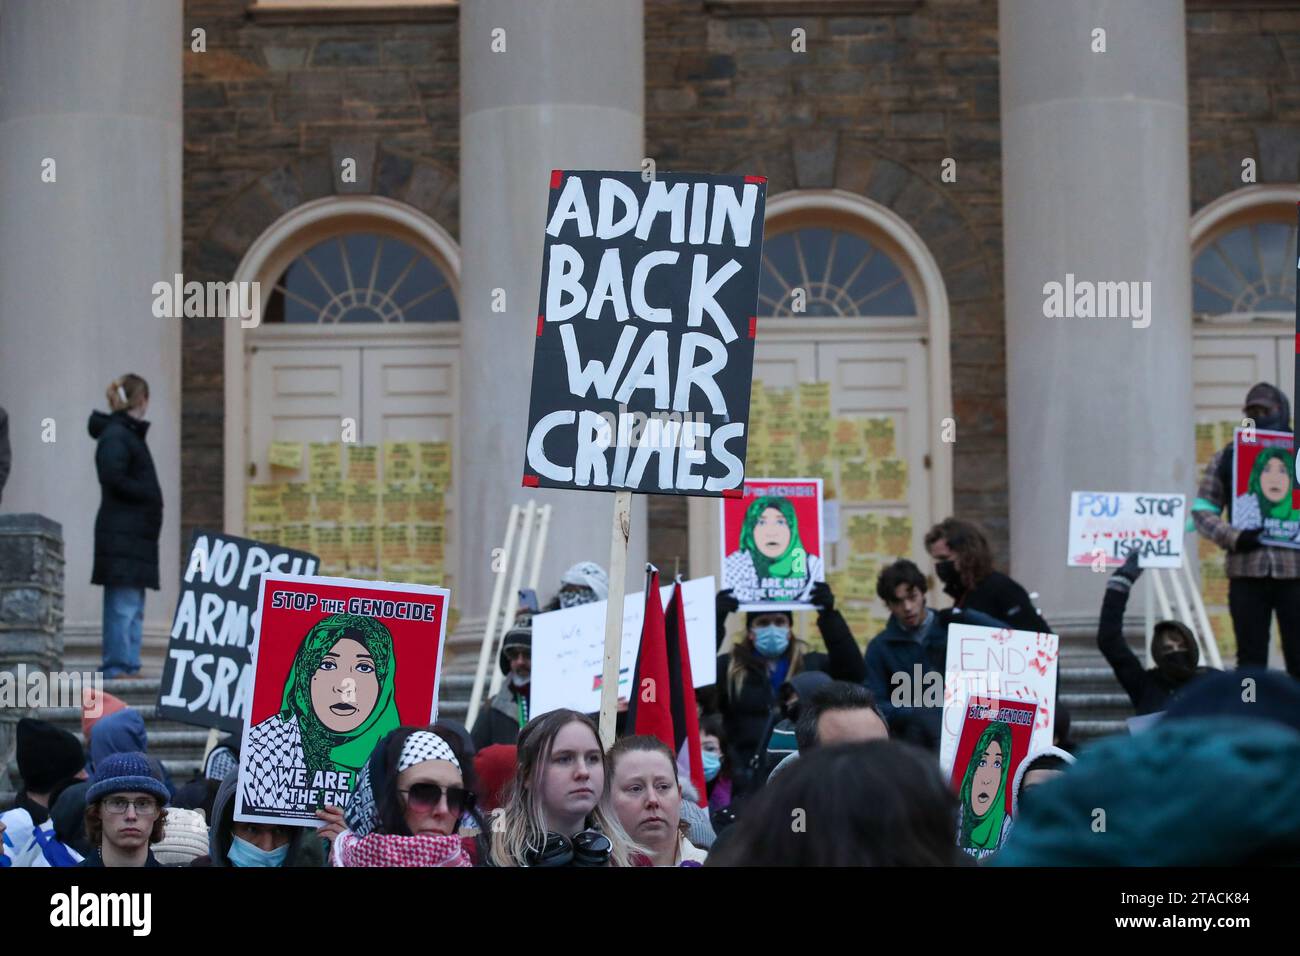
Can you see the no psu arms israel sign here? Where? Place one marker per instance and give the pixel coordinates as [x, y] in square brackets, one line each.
[645, 333]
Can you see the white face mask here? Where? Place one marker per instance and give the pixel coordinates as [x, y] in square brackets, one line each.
[517, 681]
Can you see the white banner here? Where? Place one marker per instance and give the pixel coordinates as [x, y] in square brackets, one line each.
[1106, 526]
[569, 648]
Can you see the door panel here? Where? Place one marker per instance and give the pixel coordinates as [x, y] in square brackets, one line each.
[876, 380]
[1224, 369]
[300, 395]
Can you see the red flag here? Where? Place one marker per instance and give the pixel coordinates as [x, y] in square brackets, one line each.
[662, 701]
[686, 715]
[650, 702]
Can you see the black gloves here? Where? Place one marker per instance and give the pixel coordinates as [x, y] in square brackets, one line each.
[822, 596]
[1247, 540]
[1130, 569]
[1126, 575]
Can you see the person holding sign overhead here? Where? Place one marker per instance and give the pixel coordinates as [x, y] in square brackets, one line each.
[1173, 648]
[767, 656]
[1263, 579]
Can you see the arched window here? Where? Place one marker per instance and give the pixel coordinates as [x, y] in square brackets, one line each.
[362, 277]
[841, 272]
[1247, 271]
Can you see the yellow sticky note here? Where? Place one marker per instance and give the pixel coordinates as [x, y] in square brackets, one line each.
[330, 501]
[325, 460]
[879, 436]
[363, 463]
[296, 535]
[362, 501]
[400, 460]
[428, 503]
[846, 437]
[891, 479]
[864, 533]
[856, 480]
[896, 536]
[295, 503]
[435, 462]
[395, 543]
[815, 440]
[815, 397]
[395, 503]
[285, 454]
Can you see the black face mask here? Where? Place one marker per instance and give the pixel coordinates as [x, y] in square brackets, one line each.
[1177, 666]
[950, 576]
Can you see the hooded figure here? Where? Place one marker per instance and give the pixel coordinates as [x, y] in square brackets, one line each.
[305, 847]
[319, 727]
[1263, 579]
[1196, 792]
[771, 521]
[1048, 758]
[1173, 648]
[501, 717]
[981, 834]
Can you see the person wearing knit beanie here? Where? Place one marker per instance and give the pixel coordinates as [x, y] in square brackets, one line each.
[124, 812]
[47, 756]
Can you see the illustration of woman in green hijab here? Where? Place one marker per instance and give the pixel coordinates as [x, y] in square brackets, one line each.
[982, 820]
[771, 563]
[338, 702]
[1267, 499]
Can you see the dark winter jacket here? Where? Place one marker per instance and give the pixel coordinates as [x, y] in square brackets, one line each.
[1149, 690]
[1002, 598]
[1197, 792]
[898, 651]
[131, 505]
[124, 732]
[747, 714]
[306, 848]
[498, 720]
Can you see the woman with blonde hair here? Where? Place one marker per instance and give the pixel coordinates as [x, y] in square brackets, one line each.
[557, 810]
[129, 521]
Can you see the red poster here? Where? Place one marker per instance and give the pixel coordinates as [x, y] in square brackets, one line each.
[994, 739]
[1263, 486]
[337, 665]
[772, 543]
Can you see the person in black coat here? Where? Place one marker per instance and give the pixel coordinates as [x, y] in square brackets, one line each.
[1173, 648]
[129, 521]
[750, 677]
[963, 561]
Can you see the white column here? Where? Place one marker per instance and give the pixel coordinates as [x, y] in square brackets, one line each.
[567, 92]
[1095, 184]
[95, 87]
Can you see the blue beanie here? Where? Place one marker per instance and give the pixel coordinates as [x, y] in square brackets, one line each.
[125, 773]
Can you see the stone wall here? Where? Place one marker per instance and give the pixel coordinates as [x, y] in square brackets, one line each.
[1242, 97]
[873, 106]
[31, 607]
[270, 109]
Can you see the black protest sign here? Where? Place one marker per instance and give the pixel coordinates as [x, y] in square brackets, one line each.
[208, 676]
[645, 333]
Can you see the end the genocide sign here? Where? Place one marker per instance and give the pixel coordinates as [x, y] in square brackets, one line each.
[645, 333]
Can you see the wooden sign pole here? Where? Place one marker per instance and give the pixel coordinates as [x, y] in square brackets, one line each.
[619, 530]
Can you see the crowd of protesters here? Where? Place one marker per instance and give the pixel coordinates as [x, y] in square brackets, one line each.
[807, 760]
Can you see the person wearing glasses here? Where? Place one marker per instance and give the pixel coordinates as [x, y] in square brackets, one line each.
[125, 812]
[411, 799]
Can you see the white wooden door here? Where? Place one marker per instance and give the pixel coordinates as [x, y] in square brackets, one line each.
[408, 394]
[879, 379]
[1224, 367]
[301, 395]
[784, 365]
